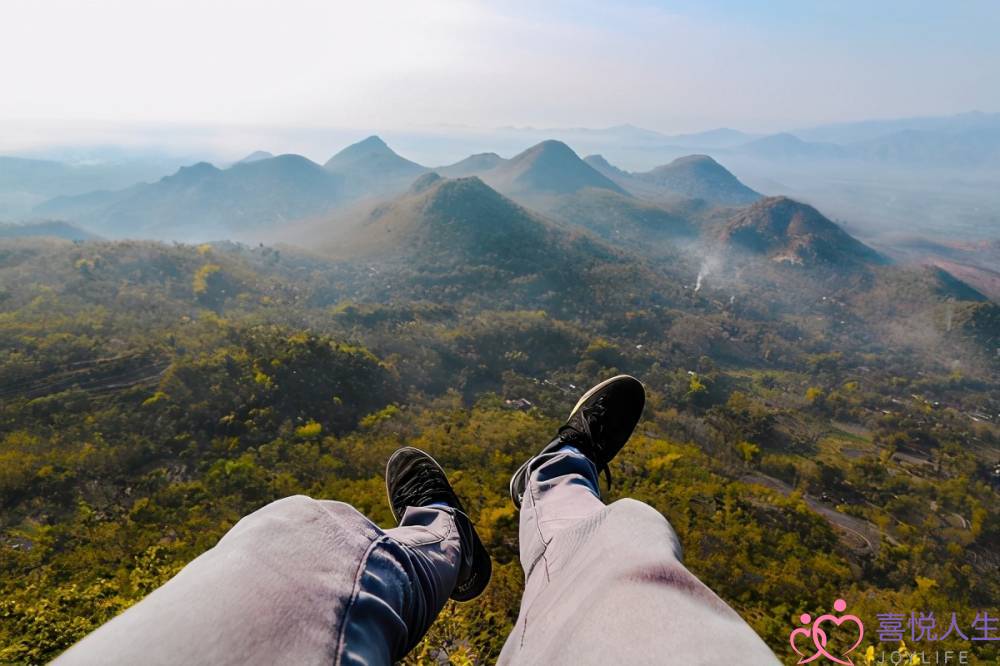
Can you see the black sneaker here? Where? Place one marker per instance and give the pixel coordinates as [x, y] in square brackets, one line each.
[413, 478]
[599, 425]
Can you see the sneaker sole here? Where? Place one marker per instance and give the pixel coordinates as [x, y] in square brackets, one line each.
[595, 389]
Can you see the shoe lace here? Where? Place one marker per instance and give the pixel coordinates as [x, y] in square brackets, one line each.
[592, 418]
[420, 489]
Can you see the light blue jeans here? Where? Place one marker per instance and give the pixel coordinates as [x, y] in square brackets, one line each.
[604, 584]
[314, 582]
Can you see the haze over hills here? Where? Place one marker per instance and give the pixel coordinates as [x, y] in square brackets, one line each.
[473, 165]
[643, 226]
[27, 182]
[858, 183]
[256, 156]
[45, 229]
[203, 202]
[785, 146]
[866, 130]
[461, 237]
[691, 177]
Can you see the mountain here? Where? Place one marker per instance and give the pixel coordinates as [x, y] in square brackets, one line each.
[949, 286]
[473, 165]
[201, 202]
[255, 156]
[548, 168]
[645, 227]
[722, 137]
[25, 183]
[370, 167]
[789, 231]
[604, 167]
[867, 130]
[689, 177]
[978, 147]
[459, 238]
[441, 221]
[785, 146]
[46, 229]
[974, 263]
[699, 177]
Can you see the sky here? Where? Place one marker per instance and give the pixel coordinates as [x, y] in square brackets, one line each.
[114, 70]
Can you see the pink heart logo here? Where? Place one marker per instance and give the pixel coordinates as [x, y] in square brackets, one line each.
[840, 606]
[820, 637]
[801, 631]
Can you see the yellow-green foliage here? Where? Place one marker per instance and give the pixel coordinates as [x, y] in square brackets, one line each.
[136, 427]
[309, 430]
[201, 277]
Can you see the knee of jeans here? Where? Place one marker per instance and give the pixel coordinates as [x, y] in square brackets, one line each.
[293, 502]
[290, 507]
[653, 525]
[299, 510]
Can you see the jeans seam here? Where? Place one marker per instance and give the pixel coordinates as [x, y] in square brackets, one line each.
[542, 556]
[538, 528]
[355, 593]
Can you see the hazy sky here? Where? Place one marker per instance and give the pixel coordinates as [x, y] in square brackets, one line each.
[69, 67]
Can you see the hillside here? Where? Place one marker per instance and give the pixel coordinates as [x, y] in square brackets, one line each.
[45, 229]
[691, 177]
[643, 227]
[788, 231]
[785, 146]
[202, 202]
[370, 167]
[461, 237]
[548, 168]
[966, 149]
[151, 394]
[25, 183]
[699, 177]
[605, 167]
[473, 165]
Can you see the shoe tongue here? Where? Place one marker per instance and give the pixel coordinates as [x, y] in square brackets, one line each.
[570, 436]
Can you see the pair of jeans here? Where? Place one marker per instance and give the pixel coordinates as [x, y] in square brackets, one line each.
[314, 582]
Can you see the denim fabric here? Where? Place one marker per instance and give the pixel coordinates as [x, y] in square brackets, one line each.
[298, 582]
[604, 584]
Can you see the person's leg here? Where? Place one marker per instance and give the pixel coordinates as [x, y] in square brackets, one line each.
[303, 581]
[605, 584]
[299, 581]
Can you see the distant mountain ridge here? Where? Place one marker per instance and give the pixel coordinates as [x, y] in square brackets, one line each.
[27, 182]
[255, 156]
[203, 201]
[473, 165]
[785, 146]
[46, 229]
